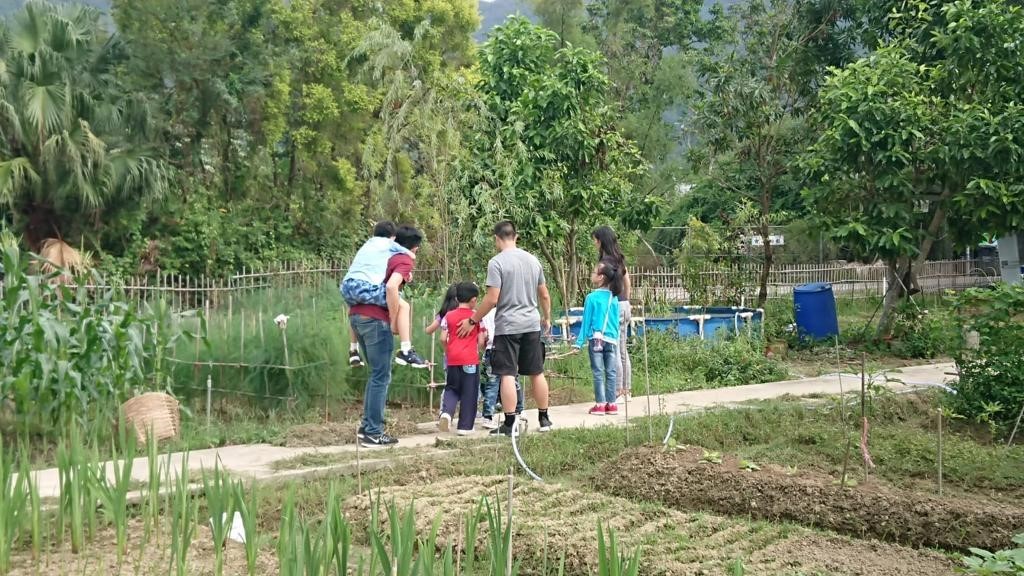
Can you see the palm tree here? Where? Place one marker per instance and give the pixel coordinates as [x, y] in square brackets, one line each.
[71, 143]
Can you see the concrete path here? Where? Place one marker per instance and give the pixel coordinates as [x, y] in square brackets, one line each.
[256, 461]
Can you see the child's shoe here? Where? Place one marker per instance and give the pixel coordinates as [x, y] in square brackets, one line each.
[444, 424]
[599, 410]
[462, 432]
[611, 409]
[411, 359]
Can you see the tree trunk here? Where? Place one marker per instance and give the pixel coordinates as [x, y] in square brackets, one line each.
[896, 269]
[766, 266]
[574, 268]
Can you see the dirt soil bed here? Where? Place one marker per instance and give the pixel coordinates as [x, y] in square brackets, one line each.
[561, 521]
[99, 557]
[683, 480]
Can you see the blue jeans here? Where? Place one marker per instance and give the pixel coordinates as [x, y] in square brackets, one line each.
[378, 344]
[603, 364]
[491, 385]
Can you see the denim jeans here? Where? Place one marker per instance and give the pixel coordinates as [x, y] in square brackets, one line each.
[604, 364]
[378, 344]
[490, 385]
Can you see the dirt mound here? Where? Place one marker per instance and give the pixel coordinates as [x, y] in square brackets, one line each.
[682, 479]
[552, 521]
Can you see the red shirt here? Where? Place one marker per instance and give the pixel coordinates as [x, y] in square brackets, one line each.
[461, 351]
[400, 263]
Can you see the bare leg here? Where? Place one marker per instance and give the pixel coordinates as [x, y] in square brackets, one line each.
[508, 393]
[404, 322]
[539, 384]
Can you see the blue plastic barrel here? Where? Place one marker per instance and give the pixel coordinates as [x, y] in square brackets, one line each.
[814, 306]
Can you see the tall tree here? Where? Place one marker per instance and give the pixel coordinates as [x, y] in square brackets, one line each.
[752, 119]
[71, 138]
[549, 145]
[924, 137]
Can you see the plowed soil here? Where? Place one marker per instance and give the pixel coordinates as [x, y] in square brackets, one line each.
[682, 480]
[554, 520]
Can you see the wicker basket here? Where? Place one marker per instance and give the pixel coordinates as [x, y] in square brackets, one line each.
[154, 411]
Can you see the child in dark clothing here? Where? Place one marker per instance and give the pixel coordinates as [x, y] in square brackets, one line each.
[462, 379]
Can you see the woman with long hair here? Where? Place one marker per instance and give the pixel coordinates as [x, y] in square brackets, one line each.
[608, 250]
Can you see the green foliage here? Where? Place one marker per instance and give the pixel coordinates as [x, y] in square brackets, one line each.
[924, 333]
[693, 364]
[914, 137]
[610, 560]
[73, 356]
[991, 384]
[985, 563]
[74, 148]
[548, 145]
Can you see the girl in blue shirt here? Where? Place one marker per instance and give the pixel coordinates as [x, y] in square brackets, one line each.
[600, 329]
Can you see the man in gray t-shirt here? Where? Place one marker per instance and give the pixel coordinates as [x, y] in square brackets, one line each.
[515, 286]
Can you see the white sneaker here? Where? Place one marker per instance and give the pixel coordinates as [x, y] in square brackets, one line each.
[464, 432]
[444, 424]
[489, 423]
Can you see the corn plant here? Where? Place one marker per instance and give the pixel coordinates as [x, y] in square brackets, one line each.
[220, 504]
[113, 495]
[612, 562]
[247, 510]
[12, 502]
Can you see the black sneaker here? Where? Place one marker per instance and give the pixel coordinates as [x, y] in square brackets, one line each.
[379, 441]
[411, 358]
[354, 360]
[544, 423]
[502, 430]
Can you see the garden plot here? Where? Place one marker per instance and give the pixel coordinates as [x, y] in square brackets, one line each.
[687, 479]
[552, 520]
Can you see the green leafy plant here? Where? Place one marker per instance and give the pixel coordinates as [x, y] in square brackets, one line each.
[610, 560]
[711, 457]
[749, 465]
[990, 389]
[12, 506]
[985, 563]
[247, 509]
[184, 510]
[220, 505]
[113, 495]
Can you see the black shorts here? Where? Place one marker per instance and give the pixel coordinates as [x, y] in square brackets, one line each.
[518, 354]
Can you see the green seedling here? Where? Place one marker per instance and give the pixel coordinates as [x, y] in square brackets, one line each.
[114, 495]
[712, 457]
[11, 505]
[220, 504]
[610, 560]
[247, 510]
[749, 466]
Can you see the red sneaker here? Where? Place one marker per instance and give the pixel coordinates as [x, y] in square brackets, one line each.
[599, 410]
[611, 409]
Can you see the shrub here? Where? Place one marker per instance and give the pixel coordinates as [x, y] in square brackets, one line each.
[919, 333]
[991, 386]
[695, 364]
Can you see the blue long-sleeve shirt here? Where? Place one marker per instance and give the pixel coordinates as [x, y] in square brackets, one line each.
[600, 315]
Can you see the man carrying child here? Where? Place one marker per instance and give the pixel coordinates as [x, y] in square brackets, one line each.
[373, 325]
[366, 283]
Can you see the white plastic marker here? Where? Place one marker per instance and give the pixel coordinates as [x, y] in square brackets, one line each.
[237, 532]
[671, 424]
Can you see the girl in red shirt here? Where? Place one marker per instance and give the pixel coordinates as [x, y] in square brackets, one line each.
[462, 378]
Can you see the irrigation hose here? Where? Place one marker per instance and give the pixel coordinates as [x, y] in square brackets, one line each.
[519, 457]
[668, 435]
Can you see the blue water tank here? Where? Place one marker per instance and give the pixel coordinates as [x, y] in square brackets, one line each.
[814, 306]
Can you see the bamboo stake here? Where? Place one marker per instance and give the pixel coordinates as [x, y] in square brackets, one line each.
[940, 451]
[508, 556]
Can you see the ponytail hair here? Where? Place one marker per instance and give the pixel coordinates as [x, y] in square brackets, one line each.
[613, 276]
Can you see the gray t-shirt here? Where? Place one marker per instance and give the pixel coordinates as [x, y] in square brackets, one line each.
[518, 274]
